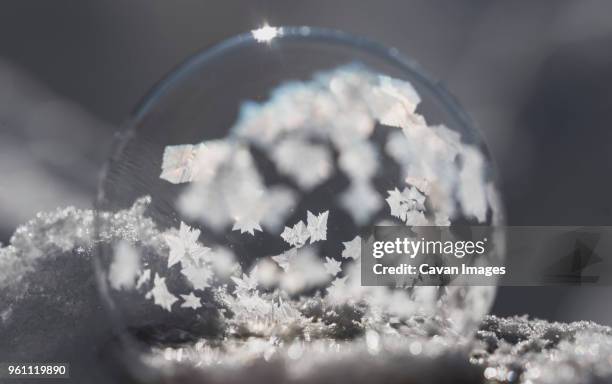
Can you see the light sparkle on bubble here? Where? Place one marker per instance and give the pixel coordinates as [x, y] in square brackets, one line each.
[266, 33]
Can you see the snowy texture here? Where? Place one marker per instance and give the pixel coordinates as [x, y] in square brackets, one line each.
[70, 229]
[506, 350]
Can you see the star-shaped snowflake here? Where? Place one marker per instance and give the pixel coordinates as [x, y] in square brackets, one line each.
[184, 244]
[161, 295]
[332, 266]
[246, 225]
[352, 249]
[198, 276]
[317, 226]
[297, 235]
[402, 203]
[247, 282]
[191, 301]
[247, 202]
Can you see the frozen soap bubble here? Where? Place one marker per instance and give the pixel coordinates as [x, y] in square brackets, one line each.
[264, 160]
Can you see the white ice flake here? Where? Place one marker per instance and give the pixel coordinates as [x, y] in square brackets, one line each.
[187, 163]
[317, 226]
[191, 301]
[337, 291]
[305, 271]
[160, 294]
[125, 266]
[308, 164]
[359, 161]
[244, 192]
[361, 201]
[267, 273]
[420, 183]
[246, 225]
[179, 163]
[297, 235]
[280, 202]
[332, 266]
[350, 129]
[402, 204]
[233, 193]
[247, 282]
[184, 244]
[284, 259]
[396, 204]
[352, 249]
[199, 276]
[223, 262]
[144, 277]
[396, 100]
[206, 203]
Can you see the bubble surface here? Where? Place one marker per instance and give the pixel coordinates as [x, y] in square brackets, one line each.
[264, 161]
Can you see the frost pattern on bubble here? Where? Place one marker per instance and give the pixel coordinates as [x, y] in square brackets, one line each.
[347, 124]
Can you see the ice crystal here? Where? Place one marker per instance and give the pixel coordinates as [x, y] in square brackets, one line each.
[191, 301]
[337, 290]
[297, 235]
[160, 294]
[184, 244]
[352, 249]
[186, 163]
[317, 226]
[361, 194]
[223, 262]
[305, 270]
[309, 164]
[199, 276]
[359, 161]
[280, 202]
[179, 163]
[143, 278]
[332, 266]
[407, 205]
[247, 282]
[283, 260]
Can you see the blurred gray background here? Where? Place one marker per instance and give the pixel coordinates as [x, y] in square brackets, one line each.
[536, 76]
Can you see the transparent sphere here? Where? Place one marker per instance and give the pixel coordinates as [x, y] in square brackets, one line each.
[234, 203]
